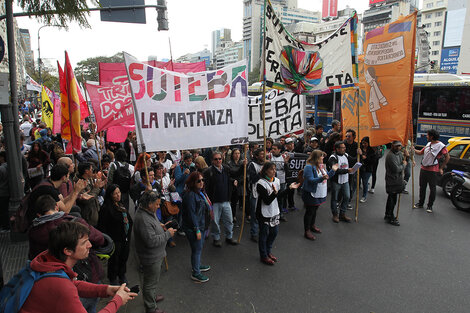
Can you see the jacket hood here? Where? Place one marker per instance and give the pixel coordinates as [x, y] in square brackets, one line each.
[45, 262]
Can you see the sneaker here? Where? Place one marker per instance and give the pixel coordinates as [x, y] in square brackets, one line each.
[394, 222]
[429, 209]
[217, 243]
[417, 206]
[350, 207]
[405, 192]
[293, 208]
[363, 199]
[371, 190]
[231, 241]
[284, 210]
[199, 278]
[204, 268]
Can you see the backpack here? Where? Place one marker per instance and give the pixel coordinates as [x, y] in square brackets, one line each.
[122, 177]
[16, 291]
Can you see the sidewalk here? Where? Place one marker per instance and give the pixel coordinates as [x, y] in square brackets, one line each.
[13, 255]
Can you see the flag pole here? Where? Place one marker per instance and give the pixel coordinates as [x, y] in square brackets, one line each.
[245, 148]
[171, 55]
[356, 98]
[94, 124]
[263, 72]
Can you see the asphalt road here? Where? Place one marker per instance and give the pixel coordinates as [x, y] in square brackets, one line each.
[368, 266]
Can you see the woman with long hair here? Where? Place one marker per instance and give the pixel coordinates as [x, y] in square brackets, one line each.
[114, 220]
[201, 164]
[196, 219]
[139, 164]
[267, 210]
[38, 160]
[314, 190]
[236, 174]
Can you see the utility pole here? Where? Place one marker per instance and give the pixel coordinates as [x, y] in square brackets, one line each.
[11, 124]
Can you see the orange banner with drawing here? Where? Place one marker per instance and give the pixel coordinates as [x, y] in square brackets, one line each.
[385, 88]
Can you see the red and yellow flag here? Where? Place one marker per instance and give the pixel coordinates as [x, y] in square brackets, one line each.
[385, 84]
[70, 109]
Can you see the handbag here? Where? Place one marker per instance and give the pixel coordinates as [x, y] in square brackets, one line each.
[35, 172]
[169, 208]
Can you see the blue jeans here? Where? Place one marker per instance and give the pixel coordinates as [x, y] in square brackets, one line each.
[222, 212]
[365, 176]
[196, 250]
[267, 234]
[90, 303]
[336, 191]
[254, 223]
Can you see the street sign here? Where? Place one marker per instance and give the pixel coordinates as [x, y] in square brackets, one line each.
[2, 49]
[123, 16]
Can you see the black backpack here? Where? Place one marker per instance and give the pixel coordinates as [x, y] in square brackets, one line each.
[122, 177]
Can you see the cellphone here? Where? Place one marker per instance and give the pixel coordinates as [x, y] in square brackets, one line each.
[135, 289]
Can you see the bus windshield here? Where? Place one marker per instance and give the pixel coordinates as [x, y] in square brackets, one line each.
[445, 102]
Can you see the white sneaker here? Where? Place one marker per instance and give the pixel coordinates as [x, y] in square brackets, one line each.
[363, 200]
[371, 190]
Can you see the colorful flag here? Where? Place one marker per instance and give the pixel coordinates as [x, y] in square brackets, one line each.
[64, 105]
[75, 143]
[112, 105]
[385, 84]
[47, 108]
[303, 68]
[31, 84]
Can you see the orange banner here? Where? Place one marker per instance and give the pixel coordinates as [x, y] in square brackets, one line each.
[73, 108]
[385, 88]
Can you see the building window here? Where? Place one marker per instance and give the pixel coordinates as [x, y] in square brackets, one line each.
[440, 2]
[435, 53]
[437, 33]
[437, 23]
[429, 5]
[438, 14]
[429, 15]
[436, 43]
[427, 25]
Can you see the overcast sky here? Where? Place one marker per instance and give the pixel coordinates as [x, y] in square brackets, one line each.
[190, 21]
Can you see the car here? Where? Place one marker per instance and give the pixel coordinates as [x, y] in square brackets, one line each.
[459, 152]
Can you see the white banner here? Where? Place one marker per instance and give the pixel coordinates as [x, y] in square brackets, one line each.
[31, 84]
[198, 110]
[302, 68]
[284, 111]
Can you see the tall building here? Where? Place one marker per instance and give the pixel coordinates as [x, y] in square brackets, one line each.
[433, 19]
[253, 11]
[227, 53]
[464, 62]
[29, 54]
[203, 55]
[219, 36]
[454, 34]
[382, 12]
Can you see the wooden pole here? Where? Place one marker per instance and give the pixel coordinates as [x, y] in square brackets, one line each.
[244, 195]
[358, 178]
[412, 159]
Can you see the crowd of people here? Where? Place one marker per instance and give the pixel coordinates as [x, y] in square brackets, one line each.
[76, 204]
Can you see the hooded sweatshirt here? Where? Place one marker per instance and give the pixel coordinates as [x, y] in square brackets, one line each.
[57, 294]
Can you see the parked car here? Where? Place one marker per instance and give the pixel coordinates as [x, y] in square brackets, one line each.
[459, 151]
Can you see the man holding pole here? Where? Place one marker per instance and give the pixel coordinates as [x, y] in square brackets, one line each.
[395, 164]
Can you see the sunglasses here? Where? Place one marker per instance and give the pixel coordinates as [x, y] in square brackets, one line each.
[217, 159]
[200, 180]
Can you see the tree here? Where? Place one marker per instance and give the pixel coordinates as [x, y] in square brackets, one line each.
[49, 78]
[59, 12]
[89, 69]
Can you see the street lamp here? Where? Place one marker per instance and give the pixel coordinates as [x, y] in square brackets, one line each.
[39, 56]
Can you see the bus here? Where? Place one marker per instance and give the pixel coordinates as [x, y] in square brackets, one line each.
[441, 102]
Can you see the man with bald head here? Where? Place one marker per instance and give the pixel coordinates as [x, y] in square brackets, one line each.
[67, 187]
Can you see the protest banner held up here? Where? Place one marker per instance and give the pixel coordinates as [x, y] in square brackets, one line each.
[284, 114]
[303, 68]
[47, 108]
[186, 111]
[387, 67]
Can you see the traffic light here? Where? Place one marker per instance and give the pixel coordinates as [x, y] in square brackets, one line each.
[162, 17]
[433, 64]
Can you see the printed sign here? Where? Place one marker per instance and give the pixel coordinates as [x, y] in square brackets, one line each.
[284, 111]
[297, 162]
[187, 111]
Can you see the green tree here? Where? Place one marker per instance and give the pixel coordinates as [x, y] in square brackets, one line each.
[59, 12]
[89, 69]
[49, 78]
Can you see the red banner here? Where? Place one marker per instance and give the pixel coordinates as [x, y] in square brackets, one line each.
[112, 104]
[111, 71]
[334, 8]
[74, 104]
